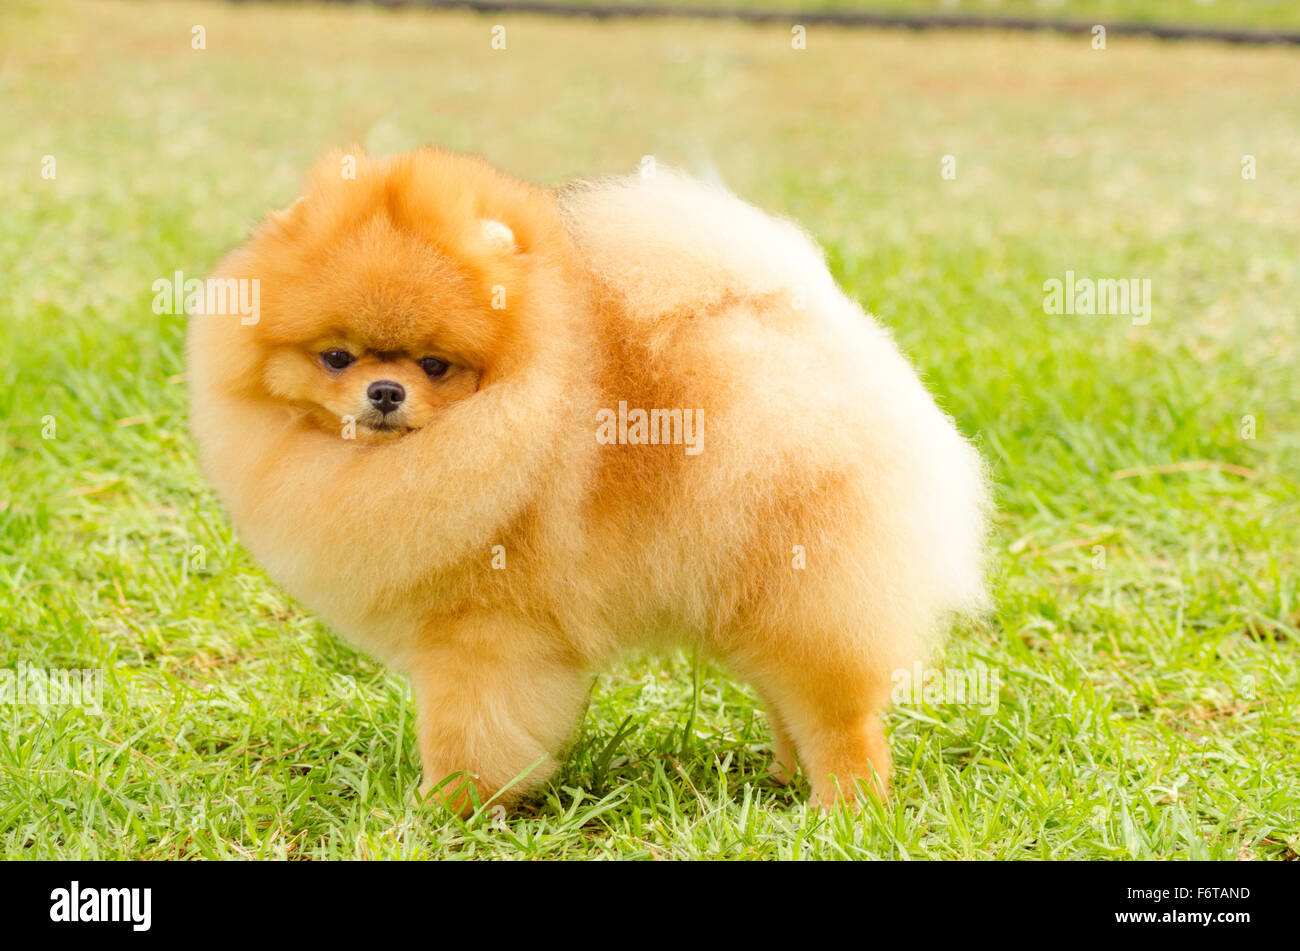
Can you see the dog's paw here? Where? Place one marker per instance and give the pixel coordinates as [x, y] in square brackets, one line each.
[780, 774]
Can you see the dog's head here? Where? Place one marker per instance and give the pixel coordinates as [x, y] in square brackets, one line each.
[391, 289]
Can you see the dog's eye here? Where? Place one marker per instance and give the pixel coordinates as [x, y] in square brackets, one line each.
[434, 367]
[337, 359]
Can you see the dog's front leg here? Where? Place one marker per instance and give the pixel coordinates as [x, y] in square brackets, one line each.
[497, 701]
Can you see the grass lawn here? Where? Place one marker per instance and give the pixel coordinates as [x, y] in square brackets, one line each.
[1146, 631]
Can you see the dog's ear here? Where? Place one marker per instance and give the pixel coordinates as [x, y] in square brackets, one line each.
[498, 235]
[285, 215]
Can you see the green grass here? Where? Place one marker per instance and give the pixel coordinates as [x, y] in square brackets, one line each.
[1149, 706]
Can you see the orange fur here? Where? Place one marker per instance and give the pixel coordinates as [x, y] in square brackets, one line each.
[817, 437]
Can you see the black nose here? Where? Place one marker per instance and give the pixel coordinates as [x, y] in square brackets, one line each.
[385, 395]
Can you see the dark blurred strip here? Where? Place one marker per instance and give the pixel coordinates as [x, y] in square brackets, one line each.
[852, 18]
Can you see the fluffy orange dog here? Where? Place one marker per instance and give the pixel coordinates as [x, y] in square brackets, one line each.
[497, 433]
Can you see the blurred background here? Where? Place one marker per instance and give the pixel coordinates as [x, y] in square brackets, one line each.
[1147, 537]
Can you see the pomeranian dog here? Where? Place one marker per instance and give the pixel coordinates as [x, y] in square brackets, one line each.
[496, 434]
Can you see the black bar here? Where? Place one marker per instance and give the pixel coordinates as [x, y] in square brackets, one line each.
[240, 900]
